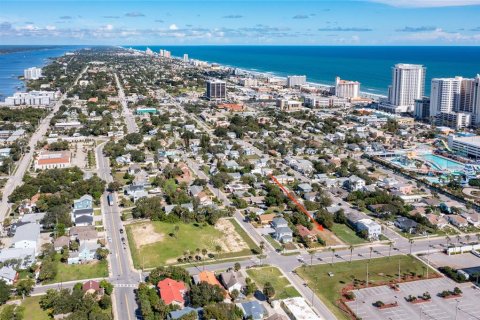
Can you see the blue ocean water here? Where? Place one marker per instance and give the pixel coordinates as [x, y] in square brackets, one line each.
[12, 64]
[369, 65]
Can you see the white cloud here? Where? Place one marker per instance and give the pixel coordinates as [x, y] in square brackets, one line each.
[441, 35]
[173, 27]
[429, 3]
[50, 28]
[109, 27]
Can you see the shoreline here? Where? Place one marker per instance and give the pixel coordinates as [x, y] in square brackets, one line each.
[363, 94]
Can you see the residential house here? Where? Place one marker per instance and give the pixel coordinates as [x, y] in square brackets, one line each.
[61, 242]
[83, 234]
[406, 225]
[457, 221]
[233, 280]
[305, 188]
[26, 256]
[305, 233]
[374, 230]
[252, 310]
[279, 222]
[439, 221]
[92, 287]
[266, 218]
[172, 291]
[82, 213]
[87, 252]
[232, 165]
[185, 313]
[283, 234]
[472, 217]
[355, 183]
[8, 274]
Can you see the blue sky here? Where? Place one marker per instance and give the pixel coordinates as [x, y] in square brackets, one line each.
[354, 22]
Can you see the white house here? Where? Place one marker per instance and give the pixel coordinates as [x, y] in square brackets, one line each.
[355, 183]
[373, 228]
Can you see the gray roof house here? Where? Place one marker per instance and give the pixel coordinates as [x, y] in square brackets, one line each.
[279, 222]
[283, 234]
[252, 310]
[26, 236]
[232, 280]
[406, 224]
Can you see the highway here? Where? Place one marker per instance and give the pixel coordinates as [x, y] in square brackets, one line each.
[16, 179]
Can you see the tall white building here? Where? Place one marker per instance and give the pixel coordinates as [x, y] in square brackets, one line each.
[34, 98]
[347, 89]
[185, 57]
[293, 81]
[33, 73]
[445, 95]
[408, 84]
[149, 52]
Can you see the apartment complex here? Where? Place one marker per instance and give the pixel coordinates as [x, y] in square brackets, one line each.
[294, 81]
[33, 98]
[33, 73]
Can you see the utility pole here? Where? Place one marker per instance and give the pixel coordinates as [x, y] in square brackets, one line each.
[368, 262]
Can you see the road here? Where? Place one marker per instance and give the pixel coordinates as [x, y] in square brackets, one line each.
[126, 112]
[122, 274]
[16, 179]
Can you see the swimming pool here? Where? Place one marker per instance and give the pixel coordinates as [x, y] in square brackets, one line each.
[442, 163]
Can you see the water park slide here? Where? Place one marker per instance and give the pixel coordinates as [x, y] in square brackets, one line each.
[445, 145]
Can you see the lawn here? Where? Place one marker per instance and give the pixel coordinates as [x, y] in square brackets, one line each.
[380, 270]
[273, 242]
[161, 247]
[283, 287]
[346, 234]
[70, 272]
[33, 310]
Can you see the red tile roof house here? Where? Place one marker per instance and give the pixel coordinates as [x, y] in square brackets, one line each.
[92, 287]
[172, 292]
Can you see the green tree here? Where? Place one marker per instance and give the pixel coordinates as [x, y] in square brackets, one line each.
[268, 290]
[24, 287]
[250, 287]
[107, 286]
[205, 293]
[4, 292]
[12, 312]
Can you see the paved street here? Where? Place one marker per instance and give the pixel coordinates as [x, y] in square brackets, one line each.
[16, 179]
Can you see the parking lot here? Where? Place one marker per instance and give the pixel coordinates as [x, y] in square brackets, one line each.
[456, 261]
[465, 307]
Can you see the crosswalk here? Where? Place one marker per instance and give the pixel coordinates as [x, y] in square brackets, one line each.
[125, 285]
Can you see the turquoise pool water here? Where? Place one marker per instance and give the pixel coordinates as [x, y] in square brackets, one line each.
[442, 163]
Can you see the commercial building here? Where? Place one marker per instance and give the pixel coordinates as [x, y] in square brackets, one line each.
[185, 57]
[146, 110]
[34, 98]
[326, 102]
[294, 81]
[468, 146]
[216, 90]
[248, 82]
[408, 84]
[50, 160]
[347, 89]
[33, 73]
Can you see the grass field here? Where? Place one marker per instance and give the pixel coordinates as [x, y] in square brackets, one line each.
[380, 270]
[283, 288]
[33, 310]
[346, 234]
[164, 248]
[70, 272]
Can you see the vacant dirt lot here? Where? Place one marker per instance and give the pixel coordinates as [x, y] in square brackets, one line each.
[232, 241]
[144, 234]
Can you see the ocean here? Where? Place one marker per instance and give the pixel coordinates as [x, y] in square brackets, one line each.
[13, 63]
[369, 65]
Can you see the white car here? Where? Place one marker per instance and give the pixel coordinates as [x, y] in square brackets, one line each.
[109, 239]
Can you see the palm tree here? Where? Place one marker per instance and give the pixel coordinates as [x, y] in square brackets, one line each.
[411, 241]
[311, 253]
[333, 253]
[175, 231]
[390, 245]
[458, 239]
[468, 238]
[371, 249]
[198, 252]
[218, 249]
[448, 240]
[204, 252]
[351, 252]
[262, 246]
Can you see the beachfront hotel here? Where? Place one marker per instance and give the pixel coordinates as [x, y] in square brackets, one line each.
[408, 84]
[347, 89]
[468, 146]
[294, 81]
